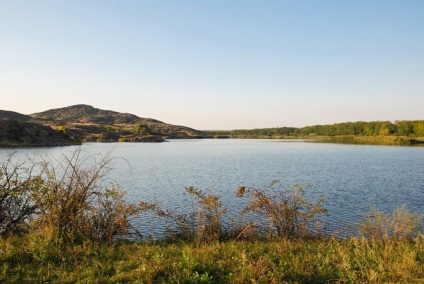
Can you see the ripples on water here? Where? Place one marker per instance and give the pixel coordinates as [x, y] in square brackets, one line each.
[352, 178]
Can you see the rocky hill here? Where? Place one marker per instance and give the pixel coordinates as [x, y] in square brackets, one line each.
[11, 115]
[86, 114]
[86, 123]
[83, 123]
[14, 133]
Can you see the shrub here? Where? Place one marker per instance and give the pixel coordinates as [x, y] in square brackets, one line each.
[61, 129]
[204, 224]
[74, 205]
[141, 129]
[400, 224]
[16, 186]
[287, 210]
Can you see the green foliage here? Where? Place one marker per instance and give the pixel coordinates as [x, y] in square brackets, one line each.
[25, 260]
[141, 129]
[277, 131]
[413, 128]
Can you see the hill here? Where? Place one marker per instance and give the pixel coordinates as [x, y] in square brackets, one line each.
[14, 133]
[87, 123]
[11, 115]
[84, 123]
[86, 114]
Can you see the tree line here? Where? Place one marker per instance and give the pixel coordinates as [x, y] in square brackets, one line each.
[411, 128]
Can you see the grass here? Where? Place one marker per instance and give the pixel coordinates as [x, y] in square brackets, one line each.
[346, 139]
[373, 140]
[357, 260]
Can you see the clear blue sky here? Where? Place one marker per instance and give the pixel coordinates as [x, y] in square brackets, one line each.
[217, 64]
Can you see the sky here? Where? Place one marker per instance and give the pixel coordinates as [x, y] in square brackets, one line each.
[217, 64]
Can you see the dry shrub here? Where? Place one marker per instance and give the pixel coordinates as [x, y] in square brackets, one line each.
[400, 224]
[68, 202]
[204, 224]
[287, 210]
[76, 205]
[16, 186]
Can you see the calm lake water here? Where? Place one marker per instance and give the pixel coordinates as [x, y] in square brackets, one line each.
[352, 178]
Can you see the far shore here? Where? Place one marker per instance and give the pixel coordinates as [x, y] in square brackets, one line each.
[342, 139]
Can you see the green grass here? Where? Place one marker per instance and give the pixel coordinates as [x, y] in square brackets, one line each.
[29, 259]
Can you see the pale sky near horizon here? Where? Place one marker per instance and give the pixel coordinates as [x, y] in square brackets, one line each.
[217, 64]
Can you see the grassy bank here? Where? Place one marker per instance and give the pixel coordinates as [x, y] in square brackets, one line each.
[371, 140]
[63, 225]
[343, 139]
[283, 261]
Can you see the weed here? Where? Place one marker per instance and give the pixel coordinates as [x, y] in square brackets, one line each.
[287, 210]
[401, 224]
[204, 224]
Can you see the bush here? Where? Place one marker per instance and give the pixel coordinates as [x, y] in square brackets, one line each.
[66, 204]
[74, 204]
[400, 224]
[287, 210]
[204, 224]
[16, 186]
[141, 129]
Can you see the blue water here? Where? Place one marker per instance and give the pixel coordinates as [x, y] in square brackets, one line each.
[352, 178]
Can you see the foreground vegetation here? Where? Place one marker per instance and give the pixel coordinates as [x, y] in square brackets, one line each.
[24, 259]
[63, 224]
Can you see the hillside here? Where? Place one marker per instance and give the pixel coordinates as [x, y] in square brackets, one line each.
[86, 123]
[11, 115]
[14, 133]
[86, 114]
[83, 123]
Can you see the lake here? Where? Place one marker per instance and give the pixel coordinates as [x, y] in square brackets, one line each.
[352, 178]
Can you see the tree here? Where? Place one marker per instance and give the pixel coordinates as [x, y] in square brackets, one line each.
[141, 129]
[404, 127]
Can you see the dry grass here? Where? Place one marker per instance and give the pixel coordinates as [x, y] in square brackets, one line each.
[356, 260]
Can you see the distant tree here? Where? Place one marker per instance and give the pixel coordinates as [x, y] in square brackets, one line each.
[141, 129]
[385, 128]
[61, 129]
[419, 128]
[404, 127]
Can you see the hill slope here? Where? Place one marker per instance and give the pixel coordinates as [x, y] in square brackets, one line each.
[11, 115]
[86, 114]
[86, 123]
[14, 133]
